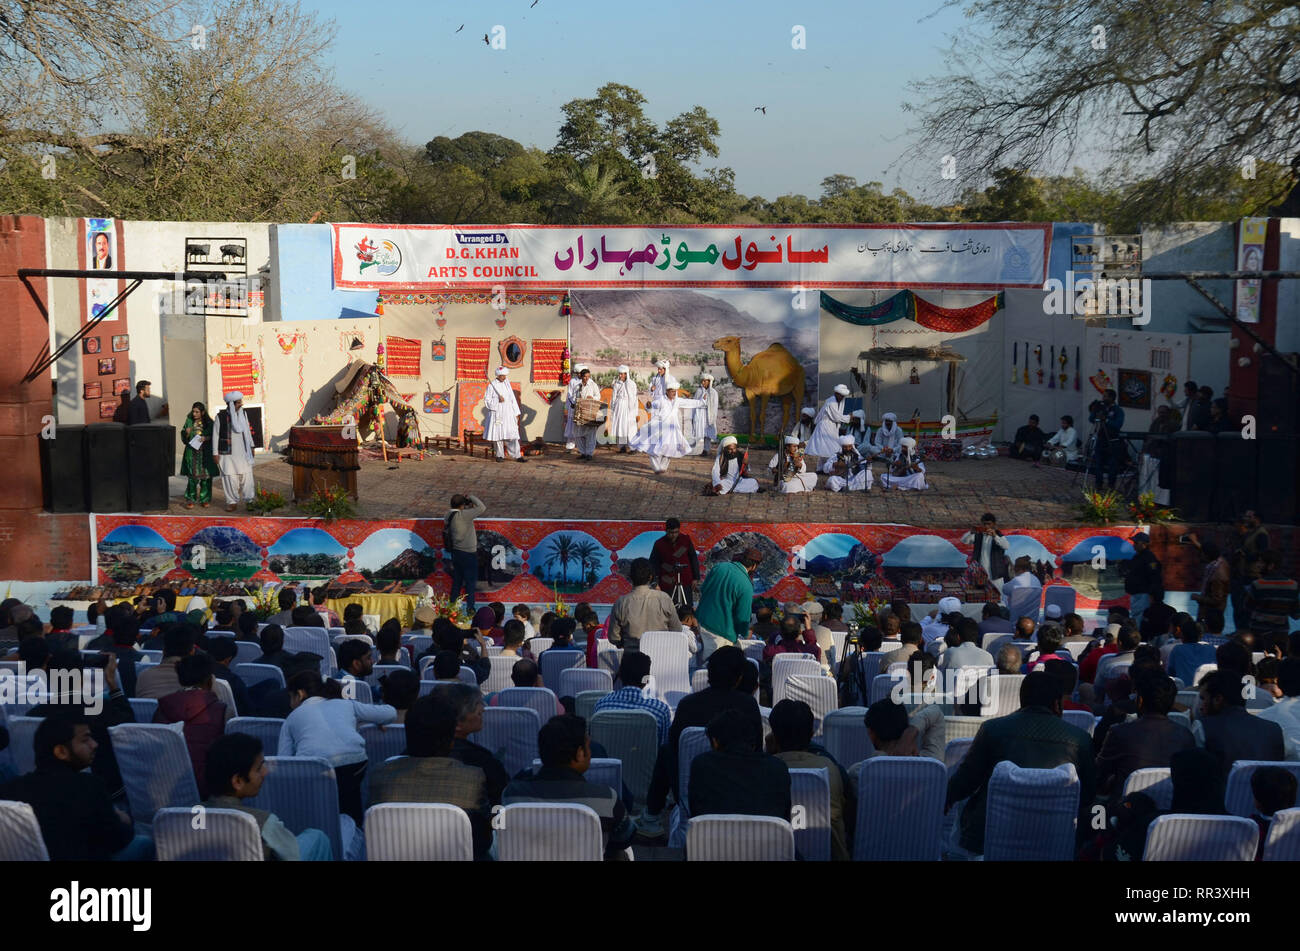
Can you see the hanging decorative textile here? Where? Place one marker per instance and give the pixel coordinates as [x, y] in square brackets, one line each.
[548, 356]
[437, 402]
[549, 396]
[403, 356]
[906, 305]
[438, 349]
[891, 309]
[237, 372]
[472, 358]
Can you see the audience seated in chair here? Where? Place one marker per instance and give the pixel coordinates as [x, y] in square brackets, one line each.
[792, 724]
[735, 777]
[633, 673]
[468, 704]
[196, 707]
[1226, 729]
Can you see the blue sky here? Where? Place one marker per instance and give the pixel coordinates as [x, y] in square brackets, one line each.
[832, 107]
[384, 545]
[307, 541]
[137, 536]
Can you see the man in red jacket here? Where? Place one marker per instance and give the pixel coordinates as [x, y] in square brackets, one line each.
[197, 707]
[675, 561]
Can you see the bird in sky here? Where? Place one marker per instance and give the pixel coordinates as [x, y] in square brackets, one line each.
[533, 4]
[762, 109]
[486, 41]
[459, 28]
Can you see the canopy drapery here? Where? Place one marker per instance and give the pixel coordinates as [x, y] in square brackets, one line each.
[906, 305]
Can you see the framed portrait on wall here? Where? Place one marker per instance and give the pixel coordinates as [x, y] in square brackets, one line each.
[107, 408]
[1134, 389]
[92, 391]
[121, 385]
[90, 345]
[107, 366]
[121, 342]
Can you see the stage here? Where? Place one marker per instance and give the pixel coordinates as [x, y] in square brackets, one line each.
[623, 486]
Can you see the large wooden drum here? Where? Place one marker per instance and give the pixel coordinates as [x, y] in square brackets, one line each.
[586, 412]
[322, 458]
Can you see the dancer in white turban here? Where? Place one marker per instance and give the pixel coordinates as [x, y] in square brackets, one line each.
[502, 427]
[622, 409]
[706, 417]
[661, 437]
[657, 381]
[232, 445]
[825, 441]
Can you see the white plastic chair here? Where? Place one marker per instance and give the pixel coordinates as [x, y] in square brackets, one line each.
[266, 729]
[810, 792]
[418, 832]
[787, 665]
[510, 733]
[1083, 719]
[541, 699]
[227, 835]
[314, 640]
[955, 751]
[252, 674]
[20, 834]
[845, 737]
[538, 644]
[553, 661]
[576, 680]
[1202, 671]
[670, 664]
[958, 726]
[1238, 799]
[1283, 842]
[549, 832]
[584, 704]
[691, 743]
[1191, 699]
[1154, 781]
[354, 689]
[1197, 838]
[731, 838]
[633, 737]
[700, 680]
[247, 652]
[1003, 692]
[993, 642]
[1062, 595]
[22, 736]
[604, 771]
[499, 676]
[822, 694]
[1032, 814]
[882, 686]
[381, 742]
[900, 809]
[143, 708]
[304, 793]
[155, 766]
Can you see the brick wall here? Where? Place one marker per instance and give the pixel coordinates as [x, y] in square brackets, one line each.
[44, 547]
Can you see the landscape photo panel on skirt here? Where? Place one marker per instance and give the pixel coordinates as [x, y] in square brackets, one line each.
[535, 561]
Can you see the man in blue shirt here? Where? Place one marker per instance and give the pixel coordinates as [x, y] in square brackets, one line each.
[1108, 453]
[1187, 657]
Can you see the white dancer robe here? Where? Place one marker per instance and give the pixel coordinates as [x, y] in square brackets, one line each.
[825, 439]
[570, 430]
[803, 480]
[726, 473]
[622, 411]
[237, 467]
[661, 437]
[657, 386]
[502, 425]
[705, 419]
[891, 439]
[860, 481]
[583, 436]
[913, 480]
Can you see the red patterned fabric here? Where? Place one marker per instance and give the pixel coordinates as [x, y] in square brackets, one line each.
[468, 397]
[956, 319]
[403, 356]
[472, 358]
[547, 356]
[237, 373]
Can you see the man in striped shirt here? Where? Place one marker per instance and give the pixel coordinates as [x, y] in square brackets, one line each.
[1272, 600]
[632, 673]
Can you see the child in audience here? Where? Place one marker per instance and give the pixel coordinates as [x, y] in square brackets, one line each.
[521, 613]
[1274, 789]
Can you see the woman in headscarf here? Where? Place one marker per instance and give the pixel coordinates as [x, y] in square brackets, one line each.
[197, 462]
[622, 409]
[661, 438]
[232, 450]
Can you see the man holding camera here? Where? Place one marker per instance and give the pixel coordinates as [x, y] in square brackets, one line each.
[989, 549]
[1108, 448]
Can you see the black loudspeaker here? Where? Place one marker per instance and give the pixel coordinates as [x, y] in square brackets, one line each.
[106, 468]
[62, 461]
[1278, 479]
[1279, 394]
[151, 459]
[1193, 474]
[1235, 488]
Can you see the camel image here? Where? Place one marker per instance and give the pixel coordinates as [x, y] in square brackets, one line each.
[774, 372]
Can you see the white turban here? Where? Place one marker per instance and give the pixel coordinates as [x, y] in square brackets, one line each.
[907, 442]
[842, 390]
[727, 441]
[622, 368]
[670, 383]
[949, 606]
[859, 414]
[707, 376]
[580, 369]
[889, 418]
[234, 396]
[663, 364]
[792, 440]
[808, 411]
[502, 371]
[846, 440]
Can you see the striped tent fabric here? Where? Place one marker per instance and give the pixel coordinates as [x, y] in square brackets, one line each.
[252, 674]
[1083, 719]
[499, 675]
[418, 832]
[810, 797]
[303, 792]
[728, 838]
[822, 694]
[1197, 838]
[670, 664]
[900, 809]
[510, 733]
[1238, 799]
[549, 832]
[845, 737]
[143, 708]
[227, 835]
[22, 733]
[1031, 814]
[552, 662]
[1003, 693]
[787, 665]
[633, 737]
[576, 680]
[155, 766]
[1283, 842]
[1155, 781]
[540, 699]
[584, 703]
[266, 729]
[20, 834]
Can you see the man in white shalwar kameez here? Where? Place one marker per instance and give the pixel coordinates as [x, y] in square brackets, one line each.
[861, 433]
[706, 417]
[856, 475]
[905, 472]
[657, 381]
[792, 476]
[232, 446]
[622, 409]
[570, 395]
[585, 436]
[661, 437]
[825, 441]
[502, 426]
[729, 472]
[804, 428]
[888, 438]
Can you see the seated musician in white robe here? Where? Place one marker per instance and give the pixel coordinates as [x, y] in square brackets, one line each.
[885, 442]
[847, 470]
[731, 470]
[861, 433]
[907, 471]
[789, 469]
[804, 429]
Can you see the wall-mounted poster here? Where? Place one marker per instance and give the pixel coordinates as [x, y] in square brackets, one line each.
[101, 255]
[107, 408]
[1134, 389]
[90, 345]
[107, 366]
[92, 391]
[121, 385]
[121, 343]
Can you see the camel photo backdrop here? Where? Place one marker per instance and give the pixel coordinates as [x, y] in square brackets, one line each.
[758, 338]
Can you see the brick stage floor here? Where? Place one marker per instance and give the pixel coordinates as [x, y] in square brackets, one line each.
[615, 485]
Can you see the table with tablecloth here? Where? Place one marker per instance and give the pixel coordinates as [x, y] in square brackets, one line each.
[400, 606]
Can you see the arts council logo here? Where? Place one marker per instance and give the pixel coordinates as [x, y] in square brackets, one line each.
[385, 257]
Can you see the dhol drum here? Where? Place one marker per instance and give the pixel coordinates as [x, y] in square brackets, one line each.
[1056, 457]
[587, 412]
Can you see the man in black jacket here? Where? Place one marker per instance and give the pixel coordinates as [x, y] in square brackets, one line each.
[1148, 741]
[1229, 731]
[736, 777]
[1143, 581]
[138, 412]
[76, 815]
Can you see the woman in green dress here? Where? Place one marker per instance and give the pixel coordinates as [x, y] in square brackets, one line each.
[197, 462]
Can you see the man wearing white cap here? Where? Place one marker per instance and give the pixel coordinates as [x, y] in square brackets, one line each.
[582, 388]
[935, 627]
[886, 442]
[790, 470]
[657, 381]
[825, 440]
[661, 437]
[502, 427]
[731, 470]
[232, 445]
[847, 469]
[706, 417]
[906, 471]
[804, 428]
[622, 409]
